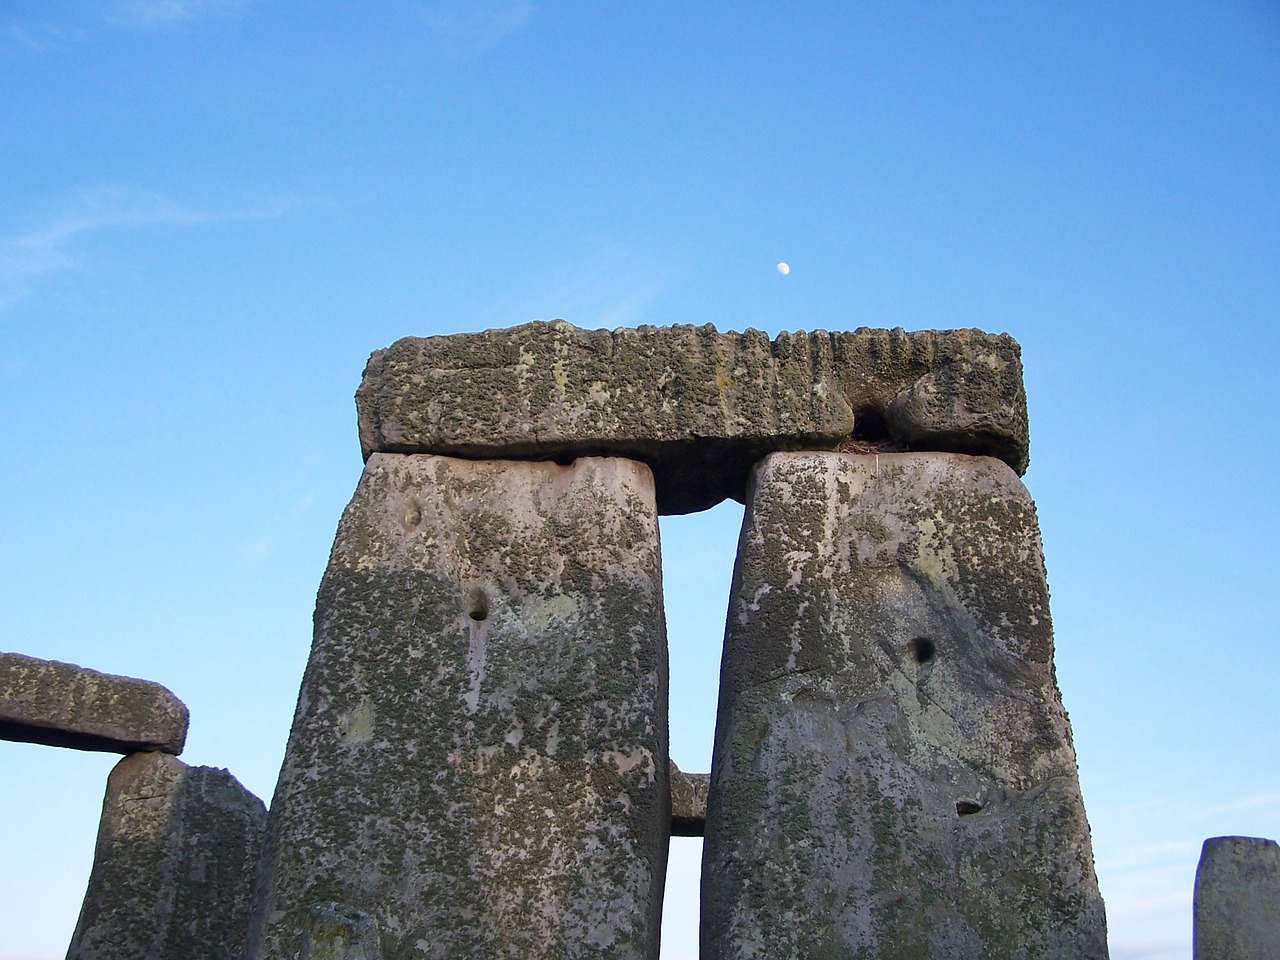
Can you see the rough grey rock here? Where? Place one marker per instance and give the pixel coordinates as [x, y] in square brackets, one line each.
[700, 407]
[893, 774]
[478, 757]
[688, 802]
[334, 931]
[173, 869]
[62, 705]
[1237, 901]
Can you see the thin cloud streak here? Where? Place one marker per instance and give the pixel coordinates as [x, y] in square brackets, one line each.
[43, 38]
[152, 14]
[462, 29]
[51, 248]
[611, 290]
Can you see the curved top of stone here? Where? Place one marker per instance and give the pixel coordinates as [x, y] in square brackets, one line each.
[698, 406]
[63, 705]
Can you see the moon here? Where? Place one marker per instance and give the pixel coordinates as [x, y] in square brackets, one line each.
[784, 268]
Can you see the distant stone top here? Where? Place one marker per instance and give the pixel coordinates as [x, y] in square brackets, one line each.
[698, 406]
[63, 705]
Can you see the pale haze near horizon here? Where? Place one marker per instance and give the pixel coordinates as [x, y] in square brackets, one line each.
[211, 212]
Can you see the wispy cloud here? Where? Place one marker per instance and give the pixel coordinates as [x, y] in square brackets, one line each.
[51, 247]
[461, 29]
[257, 549]
[610, 289]
[43, 37]
[151, 14]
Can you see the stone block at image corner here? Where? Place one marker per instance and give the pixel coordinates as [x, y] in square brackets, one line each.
[174, 864]
[63, 705]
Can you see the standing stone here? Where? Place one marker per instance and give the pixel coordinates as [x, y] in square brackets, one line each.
[63, 705]
[174, 865]
[1237, 902]
[477, 766]
[893, 775]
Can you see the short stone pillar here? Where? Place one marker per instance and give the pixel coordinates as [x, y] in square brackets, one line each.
[478, 761]
[1237, 900]
[174, 864]
[893, 773]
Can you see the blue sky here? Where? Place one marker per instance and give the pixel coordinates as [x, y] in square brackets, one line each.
[211, 212]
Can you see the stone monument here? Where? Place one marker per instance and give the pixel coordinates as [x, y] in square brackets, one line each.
[478, 760]
[478, 766]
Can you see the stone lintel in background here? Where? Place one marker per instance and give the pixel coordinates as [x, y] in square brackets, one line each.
[63, 705]
[688, 802]
[698, 406]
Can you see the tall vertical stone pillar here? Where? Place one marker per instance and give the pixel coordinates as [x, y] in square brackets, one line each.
[477, 766]
[893, 774]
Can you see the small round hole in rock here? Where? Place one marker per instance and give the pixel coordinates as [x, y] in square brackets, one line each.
[967, 807]
[923, 650]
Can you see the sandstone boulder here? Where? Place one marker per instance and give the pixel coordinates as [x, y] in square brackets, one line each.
[62, 705]
[893, 774]
[477, 766]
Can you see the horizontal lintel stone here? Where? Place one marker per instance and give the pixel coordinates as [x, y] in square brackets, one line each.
[63, 705]
[688, 802]
[698, 406]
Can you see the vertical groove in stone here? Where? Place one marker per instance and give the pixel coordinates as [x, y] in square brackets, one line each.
[477, 766]
[893, 774]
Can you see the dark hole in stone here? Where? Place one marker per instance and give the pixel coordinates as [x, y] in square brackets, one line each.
[869, 426]
[923, 649]
[478, 606]
[967, 807]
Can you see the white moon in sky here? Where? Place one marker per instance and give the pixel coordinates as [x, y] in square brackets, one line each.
[784, 268]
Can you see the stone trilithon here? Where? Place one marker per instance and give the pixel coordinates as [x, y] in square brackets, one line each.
[478, 766]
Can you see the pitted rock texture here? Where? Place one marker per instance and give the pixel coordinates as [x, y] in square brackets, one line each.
[893, 774]
[334, 931]
[1237, 900]
[63, 705]
[688, 802]
[700, 407]
[174, 865]
[478, 758]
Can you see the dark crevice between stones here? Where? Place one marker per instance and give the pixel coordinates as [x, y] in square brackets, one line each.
[17, 732]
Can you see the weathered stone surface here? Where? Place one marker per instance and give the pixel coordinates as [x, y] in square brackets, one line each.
[478, 759]
[62, 705]
[688, 802]
[699, 407]
[334, 931]
[893, 774]
[174, 865]
[1237, 901]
